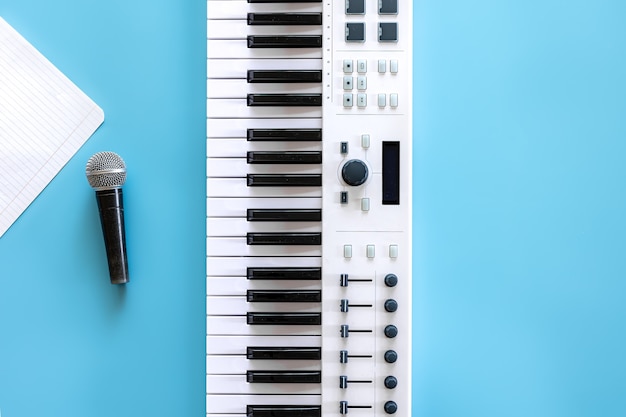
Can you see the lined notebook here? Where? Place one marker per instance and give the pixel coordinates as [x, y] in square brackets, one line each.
[44, 120]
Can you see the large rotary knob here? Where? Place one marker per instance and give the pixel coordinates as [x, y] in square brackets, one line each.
[354, 172]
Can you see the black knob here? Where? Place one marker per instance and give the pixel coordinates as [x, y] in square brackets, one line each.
[391, 280]
[391, 356]
[391, 382]
[354, 172]
[391, 305]
[391, 331]
[391, 407]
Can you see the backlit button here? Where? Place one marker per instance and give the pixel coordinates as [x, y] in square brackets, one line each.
[371, 251]
[347, 251]
[393, 251]
[365, 204]
[365, 141]
[361, 100]
[348, 66]
[382, 66]
[361, 82]
[393, 100]
[348, 82]
[348, 100]
[361, 66]
[382, 100]
[393, 66]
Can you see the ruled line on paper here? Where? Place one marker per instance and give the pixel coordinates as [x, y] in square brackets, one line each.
[44, 120]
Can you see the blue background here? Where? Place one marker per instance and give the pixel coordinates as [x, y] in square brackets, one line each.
[519, 265]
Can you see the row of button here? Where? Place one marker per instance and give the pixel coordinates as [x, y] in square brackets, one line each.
[361, 66]
[370, 251]
[384, 7]
[387, 32]
[361, 100]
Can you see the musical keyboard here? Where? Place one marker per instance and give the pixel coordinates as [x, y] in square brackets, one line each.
[308, 208]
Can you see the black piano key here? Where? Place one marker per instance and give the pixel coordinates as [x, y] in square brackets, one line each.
[277, 41]
[284, 411]
[286, 100]
[284, 180]
[284, 238]
[284, 19]
[284, 76]
[284, 377]
[287, 157]
[284, 273]
[285, 135]
[284, 215]
[288, 319]
[284, 353]
[284, 296]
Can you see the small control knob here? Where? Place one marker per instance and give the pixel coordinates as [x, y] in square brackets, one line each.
[391, 280]
[391, 356]
[391, 382]
[391, 407]
[391, 331]
[391, 305]
[354, 172]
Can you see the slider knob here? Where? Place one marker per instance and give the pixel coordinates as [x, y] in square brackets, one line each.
[354, 172]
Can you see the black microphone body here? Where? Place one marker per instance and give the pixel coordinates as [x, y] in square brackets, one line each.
[111, 207]
[106, 173]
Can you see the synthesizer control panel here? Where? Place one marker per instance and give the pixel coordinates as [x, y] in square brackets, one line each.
[309, 151]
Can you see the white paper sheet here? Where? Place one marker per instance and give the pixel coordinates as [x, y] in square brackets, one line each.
[44, 120]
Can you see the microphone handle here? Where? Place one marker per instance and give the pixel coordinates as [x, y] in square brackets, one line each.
[111, 207]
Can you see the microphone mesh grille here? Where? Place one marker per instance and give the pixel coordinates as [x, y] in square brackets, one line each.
[105, 170]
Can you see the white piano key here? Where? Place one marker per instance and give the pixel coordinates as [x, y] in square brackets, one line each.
[238, 247]
[237, 148]
[238, 9]
[237, 305]
[239, 48]
[234, 325]
[236, 384]
[225, 128]
[237, 266]
[226, 227]
[225, 29]
[237, 365]
[237, 207]
[226, 107]
[239, 285]
[237, 187]
[236, 404]
[237, 167]
[238, 68]
[236, 345]
[237, 89]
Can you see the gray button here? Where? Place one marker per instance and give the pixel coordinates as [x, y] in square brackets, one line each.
[388, 32]
[348, 100]
[355, 32]
[355, 6]
[387, 6]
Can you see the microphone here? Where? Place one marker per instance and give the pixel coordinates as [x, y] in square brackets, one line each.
[106, 173]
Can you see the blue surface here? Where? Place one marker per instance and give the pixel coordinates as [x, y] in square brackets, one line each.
[519, 227]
